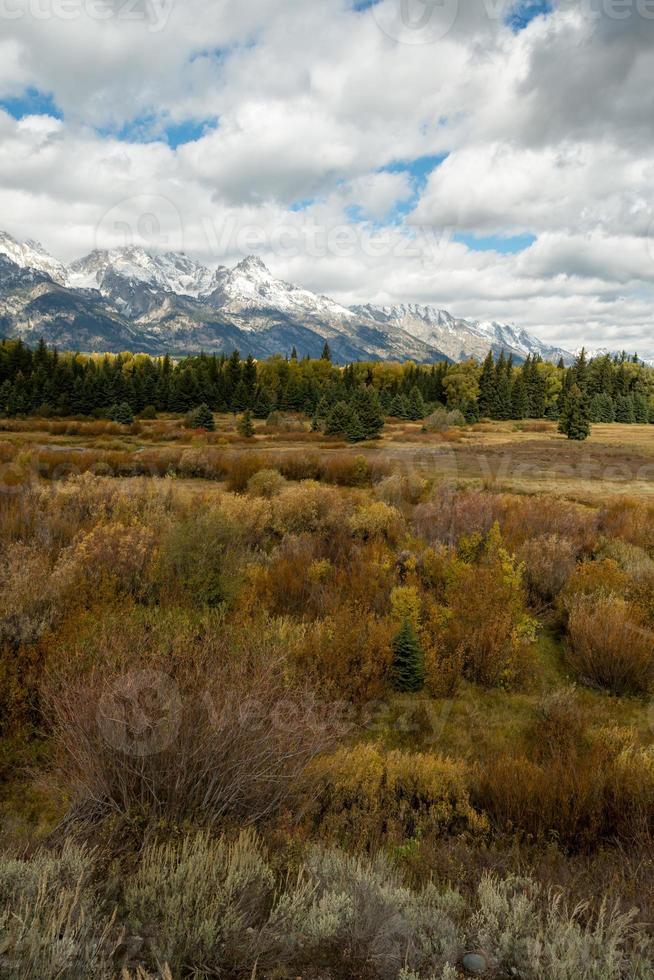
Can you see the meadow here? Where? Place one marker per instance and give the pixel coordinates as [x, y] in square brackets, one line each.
[281, 706]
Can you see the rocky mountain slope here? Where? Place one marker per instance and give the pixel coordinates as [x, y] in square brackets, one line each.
[131, 299]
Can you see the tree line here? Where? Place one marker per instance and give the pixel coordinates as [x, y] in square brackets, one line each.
[352, 401]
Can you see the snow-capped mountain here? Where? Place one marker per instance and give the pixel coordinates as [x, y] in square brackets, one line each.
[129, 298]
[173, 272]
[251, 293]
[457, 338]
[32, 255]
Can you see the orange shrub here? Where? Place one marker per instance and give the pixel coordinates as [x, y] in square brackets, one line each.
[364, 797]
[485, 622]
[348, 655]
[608, 645]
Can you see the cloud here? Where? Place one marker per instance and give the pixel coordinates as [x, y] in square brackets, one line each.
[291, 117]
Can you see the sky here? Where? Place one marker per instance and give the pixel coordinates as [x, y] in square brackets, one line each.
[492, 157]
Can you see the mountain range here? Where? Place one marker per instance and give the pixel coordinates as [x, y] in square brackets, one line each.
[131, 299]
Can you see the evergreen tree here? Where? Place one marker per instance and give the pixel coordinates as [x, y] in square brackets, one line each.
[326, 353]
[624, 409]
[400, 407]
[263, 403]
[503, 407]
[123, 414]
[488, 388]
[408, 660]
[338, 419]
[574, 421]
[641, 408]
[202, 418]
[355, 431]
[519, 404]
[470, 411]
[601, 408]
[244, 425]
[365, 402]
[416, 404]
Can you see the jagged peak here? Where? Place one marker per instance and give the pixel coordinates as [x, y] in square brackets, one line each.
[252, 263]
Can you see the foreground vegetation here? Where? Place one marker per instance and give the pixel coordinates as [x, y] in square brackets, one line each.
[272, 706]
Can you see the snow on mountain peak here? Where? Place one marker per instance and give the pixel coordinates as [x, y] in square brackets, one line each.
[32, 255]
[173, 272]
[141, 287]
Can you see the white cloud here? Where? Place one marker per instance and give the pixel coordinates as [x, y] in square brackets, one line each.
[549, 132]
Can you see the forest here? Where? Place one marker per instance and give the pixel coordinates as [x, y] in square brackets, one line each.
[351, 400]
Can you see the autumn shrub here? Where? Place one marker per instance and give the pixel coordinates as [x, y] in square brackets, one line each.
[293, 581]
[450, 514]
[609, 646]
[600, 792]
[639, 569]
[485, 621]
[345, 470]
[377, 520]
[595, 578]
[347, 655]
[560, 725]
[364, 796]
[443, 419]
[30, 599]
[196, 559]
[310, 507]
[241, 467]
[109, 559]
[175, 719]
[548, 561]
[266, 483]
[400, 489]
[630, 519]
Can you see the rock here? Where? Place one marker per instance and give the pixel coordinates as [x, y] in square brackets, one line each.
[474, 964]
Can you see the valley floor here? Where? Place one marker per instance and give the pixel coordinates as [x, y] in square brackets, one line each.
[260, 697]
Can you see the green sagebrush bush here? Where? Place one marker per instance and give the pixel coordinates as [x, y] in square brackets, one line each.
[202, 906]
[51, 925]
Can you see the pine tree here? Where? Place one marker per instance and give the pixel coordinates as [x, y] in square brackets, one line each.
[365, 402]
[408, 660]
[574, 421]
[244, 425]
[416, 404]
[263, 404]
[398, 407]
[326, 353]
[338, 420]
[355, 431]
[202, 418]
[488, 388]
[519, 404]
[123, 414]
[470, 411]
[641, 408]
[624, 409]
[601, 408]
